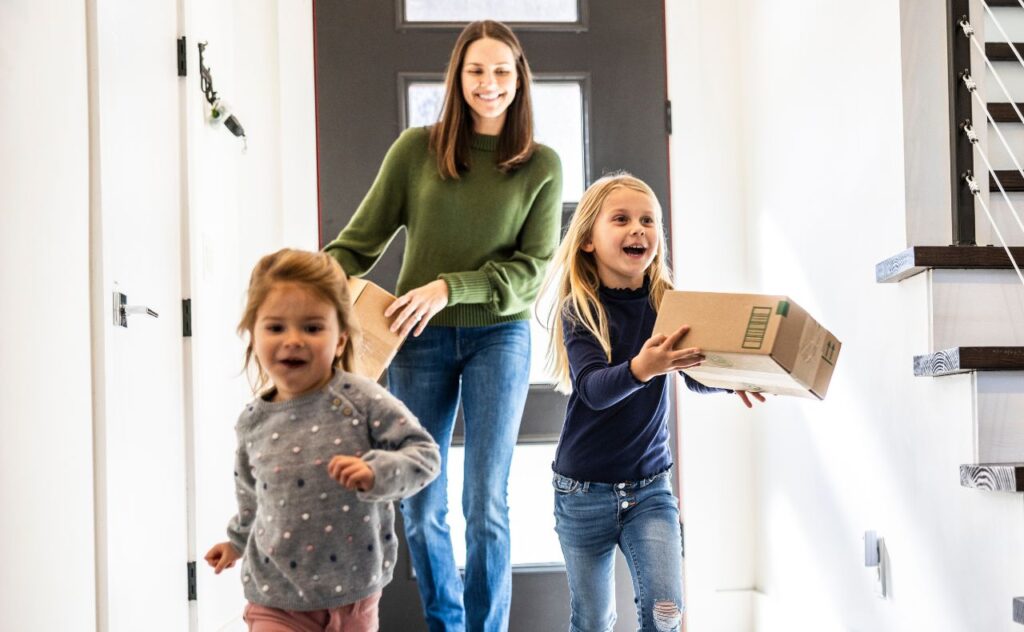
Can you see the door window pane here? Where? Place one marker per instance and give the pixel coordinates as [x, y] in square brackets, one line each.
[558, 117]
[423, 101]
[503, 10]
[530, 502]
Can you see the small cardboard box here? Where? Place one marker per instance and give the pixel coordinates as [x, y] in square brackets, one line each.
[379, 345]
[752, 342]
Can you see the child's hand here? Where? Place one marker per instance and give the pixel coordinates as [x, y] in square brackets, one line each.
[746, 400]
[657, 356]
[351, 472]
[221, 556]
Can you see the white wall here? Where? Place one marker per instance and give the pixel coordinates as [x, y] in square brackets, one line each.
[823, 201]
[710, 253]
[926, 117]
[47, 578]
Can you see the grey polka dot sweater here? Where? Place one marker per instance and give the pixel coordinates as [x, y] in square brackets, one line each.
[308, 542]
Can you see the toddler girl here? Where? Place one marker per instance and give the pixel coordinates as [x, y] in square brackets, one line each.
[321, 454]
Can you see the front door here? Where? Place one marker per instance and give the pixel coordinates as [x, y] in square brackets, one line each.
[600, 101]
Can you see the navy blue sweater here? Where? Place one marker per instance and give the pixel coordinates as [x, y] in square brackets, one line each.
[615, 426]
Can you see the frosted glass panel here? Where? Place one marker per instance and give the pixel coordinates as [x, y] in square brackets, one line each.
[503, 10]
[530, 501]
[558, 116]
[423, 103]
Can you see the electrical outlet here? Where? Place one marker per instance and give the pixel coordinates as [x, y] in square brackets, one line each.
[882, 585]
[870, 548]
[876, 561]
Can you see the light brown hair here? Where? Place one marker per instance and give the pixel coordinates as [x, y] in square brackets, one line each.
[573, 272]
[316, 271]
[450, 137]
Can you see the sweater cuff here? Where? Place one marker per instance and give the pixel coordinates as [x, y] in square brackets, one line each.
[634, 379]
[467, 287]
[344, 258]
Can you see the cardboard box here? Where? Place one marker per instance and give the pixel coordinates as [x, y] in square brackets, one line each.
[379, 345]
[752, 342]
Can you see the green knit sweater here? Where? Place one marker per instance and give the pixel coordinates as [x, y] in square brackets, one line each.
[489, 235]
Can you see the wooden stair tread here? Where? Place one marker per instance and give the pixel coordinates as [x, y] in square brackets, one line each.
[1011, 179]
[963, 359]
[1003, 3]
[1004, 112]
[996, 477]
[917, 259]
[1001, 51]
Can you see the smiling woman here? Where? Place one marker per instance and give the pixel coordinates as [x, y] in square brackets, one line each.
[481, 201]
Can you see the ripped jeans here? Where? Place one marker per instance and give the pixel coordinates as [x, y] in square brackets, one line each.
[642, 519]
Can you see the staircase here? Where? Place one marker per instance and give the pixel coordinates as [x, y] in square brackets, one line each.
[975, 298]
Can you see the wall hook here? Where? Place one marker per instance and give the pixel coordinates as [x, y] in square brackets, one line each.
[219, 110]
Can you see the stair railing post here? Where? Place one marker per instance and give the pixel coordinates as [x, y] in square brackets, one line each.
[960, 111]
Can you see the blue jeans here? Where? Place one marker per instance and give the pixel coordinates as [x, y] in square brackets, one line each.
[489, 367]
[642, 519]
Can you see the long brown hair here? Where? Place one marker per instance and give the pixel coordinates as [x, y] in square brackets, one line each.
[450, 137]
[573, 273]
[318, 272]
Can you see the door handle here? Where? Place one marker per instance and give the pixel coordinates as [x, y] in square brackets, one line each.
[122, 309]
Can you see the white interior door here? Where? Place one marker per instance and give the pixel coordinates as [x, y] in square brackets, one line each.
[137, 244]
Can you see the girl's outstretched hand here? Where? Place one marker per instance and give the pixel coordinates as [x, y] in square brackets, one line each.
[222, 555]
[351, 472]
[417, 307]
[658, 357]
[746, 400]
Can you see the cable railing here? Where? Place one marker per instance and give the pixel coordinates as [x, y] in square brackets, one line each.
[966, 143]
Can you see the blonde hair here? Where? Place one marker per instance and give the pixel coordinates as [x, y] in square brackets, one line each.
[450, 137]
[316, 271]
[575, 273]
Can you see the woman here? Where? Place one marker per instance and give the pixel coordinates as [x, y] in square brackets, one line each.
[481, 202]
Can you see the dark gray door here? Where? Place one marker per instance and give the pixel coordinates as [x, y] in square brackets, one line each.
[600, 93]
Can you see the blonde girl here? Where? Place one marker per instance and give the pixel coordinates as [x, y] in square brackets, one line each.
[321, 454]
[612, 466]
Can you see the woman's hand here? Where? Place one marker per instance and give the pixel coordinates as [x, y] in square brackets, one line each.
[351, 472]
[746, 400]
[658, 358]
[221, 556]
[417, 307]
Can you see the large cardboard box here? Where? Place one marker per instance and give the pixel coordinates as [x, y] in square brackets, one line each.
[752, 342]
[379, 345]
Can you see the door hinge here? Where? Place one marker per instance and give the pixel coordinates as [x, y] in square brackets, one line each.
[186, 317]
[182, 66]
[191, 581]
[668, 117]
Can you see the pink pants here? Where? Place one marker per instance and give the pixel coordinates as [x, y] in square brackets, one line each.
[360, 616]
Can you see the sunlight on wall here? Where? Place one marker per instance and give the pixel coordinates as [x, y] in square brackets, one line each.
[869, 457]
[817, 608]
